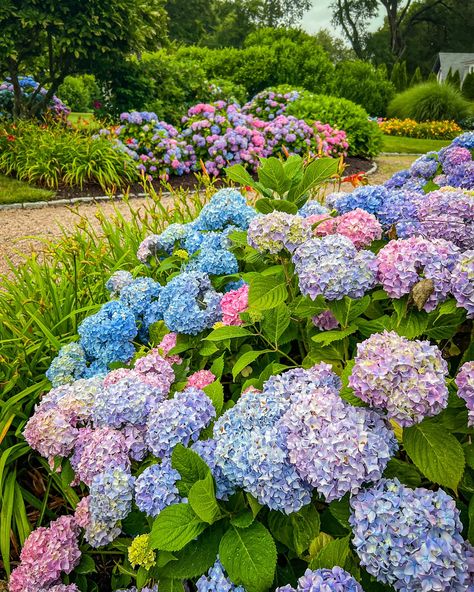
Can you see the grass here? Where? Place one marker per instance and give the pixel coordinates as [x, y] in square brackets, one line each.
[411, 145]
[80, 118]
[13, 191]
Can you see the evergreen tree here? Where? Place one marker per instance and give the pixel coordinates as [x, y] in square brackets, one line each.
[417, 77]
[468, 86]
[456, 80]
[432, 77]
[399, 76]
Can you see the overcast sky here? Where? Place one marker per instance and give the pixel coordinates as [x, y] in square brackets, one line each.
[319, 17]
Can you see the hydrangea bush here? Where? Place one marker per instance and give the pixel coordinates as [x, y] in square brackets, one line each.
[270, 406]
[31, 91]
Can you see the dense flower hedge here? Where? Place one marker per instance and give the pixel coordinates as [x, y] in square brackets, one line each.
[434, 130]
[274, 405]
[217, 135]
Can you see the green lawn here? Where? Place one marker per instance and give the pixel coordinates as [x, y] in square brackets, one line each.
[13, 191]
[77, 118]
[411, 145]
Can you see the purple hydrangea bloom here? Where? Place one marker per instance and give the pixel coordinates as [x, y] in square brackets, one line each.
[400, 207]
[216, 580]
[325, 321]
[462, 282]
[281, 387]
[403, 263]
[405, 378]
[452, 157]
[135, 440]
[465, 383]
[128, 401]
[335, 447]
[148, 248]
[325, 580]
[333, 267]
[189, 304]
[178, 420]
[411, 539]
[277, 231]
[398, 180]
[155, 488]
[207, 451]
[98, 450]
[154, 370]
[425, 166]
[68, 365]
[118, 281]
[135, 589]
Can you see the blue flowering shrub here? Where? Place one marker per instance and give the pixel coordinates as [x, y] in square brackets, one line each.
[282, 401]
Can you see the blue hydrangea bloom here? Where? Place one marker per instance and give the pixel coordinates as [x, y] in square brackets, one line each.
[325, 580]
[368, 198]
[400, 206]
[332, 266]
[174, 233]
[313, 208]
[155, 488]
[464, 141]
[189, 304]
[397, 180]
[141, 298]
[214, 262]
[227, 206]
[411, 538]
[178, 420]
[425, 166]
[216, 580]
[118, 281]
[68, 366]
[106, 336]
[111, 495]
[207, 451]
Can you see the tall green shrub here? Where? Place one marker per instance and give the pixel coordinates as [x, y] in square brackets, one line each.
[79, 92]
[453, 78]
[417, 77]
[468, 86]
[364, 136]
[399, 77]
[430, 102]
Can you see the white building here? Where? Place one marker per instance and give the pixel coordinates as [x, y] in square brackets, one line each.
[460, 62]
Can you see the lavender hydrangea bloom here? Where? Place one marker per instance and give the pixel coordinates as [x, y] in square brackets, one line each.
[280, 387]
[335, 447]
[462, 282]
[405, 378]
[144, 589]
[155, 488]
[465, 383]
[68, 365]
[411, 539]
[207, 451]
[148, 248]
[106, 336]
[403, 263]
[313, 208]
[118, 281]
[425, 166]
[135, 440]
[452, 157]
[251, 452]
[398, 180]
[227, 207]
[325, 321]
[128, 401]
[333, 267]
[325, 580]
[111, 495]
[277, 231]
[189, 304]
[216, 580]
[154, 370]
[96, 451]
[178, 420]
[369, 198]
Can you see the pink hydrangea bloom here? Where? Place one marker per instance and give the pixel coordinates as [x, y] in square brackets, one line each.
[82, 515]
[50, 433]
[326, 224]
[357, 225]
[233, 303]
[46, 554]
[200, 379]
[117, 375]
[167, 344]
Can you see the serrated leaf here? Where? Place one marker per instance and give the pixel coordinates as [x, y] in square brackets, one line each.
[318, 543]
[249, 557]
[255, 506]
[328, 337]
[435, 452]
[332, 554]
[217, 367]
[282, 205]
[264, 205]
[86, 565]
[348, 309]
[175, 527]
[368, 328]
[403, 471]
[275, 322]
[295, 530]
[444, 326]
[266, 292]
[303, 306]
[411, 325]
[190, 466]
[272, 175]
[245, 360]
[215, 392]
[243, 520]
[202, 498]
[171, 585]
[230, 332]
[239, 174]
[316, 172]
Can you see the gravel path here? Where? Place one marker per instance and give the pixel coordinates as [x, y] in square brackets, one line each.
[21, 231]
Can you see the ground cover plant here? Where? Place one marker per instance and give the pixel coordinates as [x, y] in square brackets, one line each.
[278, 396]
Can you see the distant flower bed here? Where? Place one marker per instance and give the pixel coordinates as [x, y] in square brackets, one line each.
[217, 135]
[31, 91]
[430, 130]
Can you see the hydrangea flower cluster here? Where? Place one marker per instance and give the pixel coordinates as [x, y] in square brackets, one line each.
[216, 580]
[404, 378]
[28, 87]
[369, 198]
[325, 321]
[333, 267]
[139, 552]
[269, 103]
[201, 379]
[69, 365]
[155, 488]
[233, 303]
[462, 282]
[47, 553]
[324, 580]
[277, 231]
[117, 281]
[411, 539]
[313, 208]
[357, 225]
[405, 262]
[207, 451]
[465, 383]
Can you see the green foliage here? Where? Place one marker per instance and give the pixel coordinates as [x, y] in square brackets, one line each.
[468, 86]
[55, 155]
[79, 92]
[375, 92]
[454, 79]
[399, 76]
[417, 77]
[364, 136]
[430, 101]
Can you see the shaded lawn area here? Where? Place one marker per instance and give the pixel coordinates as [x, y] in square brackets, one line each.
[411, 145]
[13, 191]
